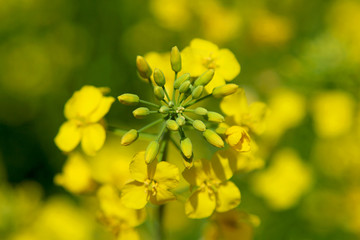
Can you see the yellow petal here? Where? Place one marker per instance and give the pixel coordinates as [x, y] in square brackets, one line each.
[200, 204]
[134, 195]
[224, 164]
[227, 197]
[167, 174]
[235, 105]
[217, 81]
[138, 167]
[68, 136]
[101, 110]
[203, 45]
[128, 234]
[198, 173]
[162, 196]
[229, 67]
[93, 138]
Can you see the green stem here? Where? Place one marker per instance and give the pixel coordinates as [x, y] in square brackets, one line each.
[173, 96]
[188, 118]
[166, 93]
[149, 103]
[196, 101]
[150, 125]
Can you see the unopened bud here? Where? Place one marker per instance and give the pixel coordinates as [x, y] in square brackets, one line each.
[141, 112]
[221, 129]
[213, 138]
[199, 125]
[186, 147]
[159, 92]
[224, 90]
[184, 86]
[172, 125]
[214, 117]
[204, 78]
[196, 93]
[129, 99]
[201, 111]
[181, 79]
[175, 59]
[180, 121]
[159, 77]
[129, 137]
[151, 151]
[164, 109]
[143, 67]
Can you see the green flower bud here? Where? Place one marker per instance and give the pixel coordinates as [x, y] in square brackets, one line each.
[159, 77]
[204, 78]
[224, 90]
[143, 67]
[186, 147]
[180, 121]
[181, 79]
[129, 137]
[175, 59]
[159, 92]
[213, 138]
[215, 117]
[184, 86]
[196, 93]
[199, 125]
[141, 112]
[151, 151]
[172, 125]
[164, 109]
[200, 111]
[129, 99]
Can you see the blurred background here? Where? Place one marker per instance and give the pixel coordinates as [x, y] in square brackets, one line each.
[302, 58]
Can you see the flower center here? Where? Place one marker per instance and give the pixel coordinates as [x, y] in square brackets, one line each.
[151, 186]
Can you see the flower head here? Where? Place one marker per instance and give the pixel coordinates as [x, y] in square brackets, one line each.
[84, 111]
[151, 183]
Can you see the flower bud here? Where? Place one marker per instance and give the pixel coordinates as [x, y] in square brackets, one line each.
[151, 151]
[181, 79]
[214, 117]
[201, 111]
[159, 93]
[213, 138]
[224, 90]
[221, 129]
[196, 93]
[180, 121]
[238, 138]
[184, 86]
[159, 77]
[199, 125]
[164, 109]
[186, 147]
[129, 99]
[141, 112]
[129, 137]
[143, 67]
[204, 78]
[172, 125]
[175, 59]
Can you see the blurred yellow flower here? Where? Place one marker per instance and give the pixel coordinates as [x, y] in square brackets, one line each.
[76, 176]
[253, 116]
[83, 112]
[214, 191]
[333, 113]
[238, 138]
[119, 219]
[202, 55]
[284, 182]
[151, 183]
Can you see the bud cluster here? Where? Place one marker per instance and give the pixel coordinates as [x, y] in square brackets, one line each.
[174, 111]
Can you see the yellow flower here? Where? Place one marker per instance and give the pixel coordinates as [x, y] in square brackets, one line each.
[214, 191]
[83, 112]
[151, 183]
[76, 176]
[284, 182]
[202, 55]
[238, 138]
[254, 116]
[119, 219]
